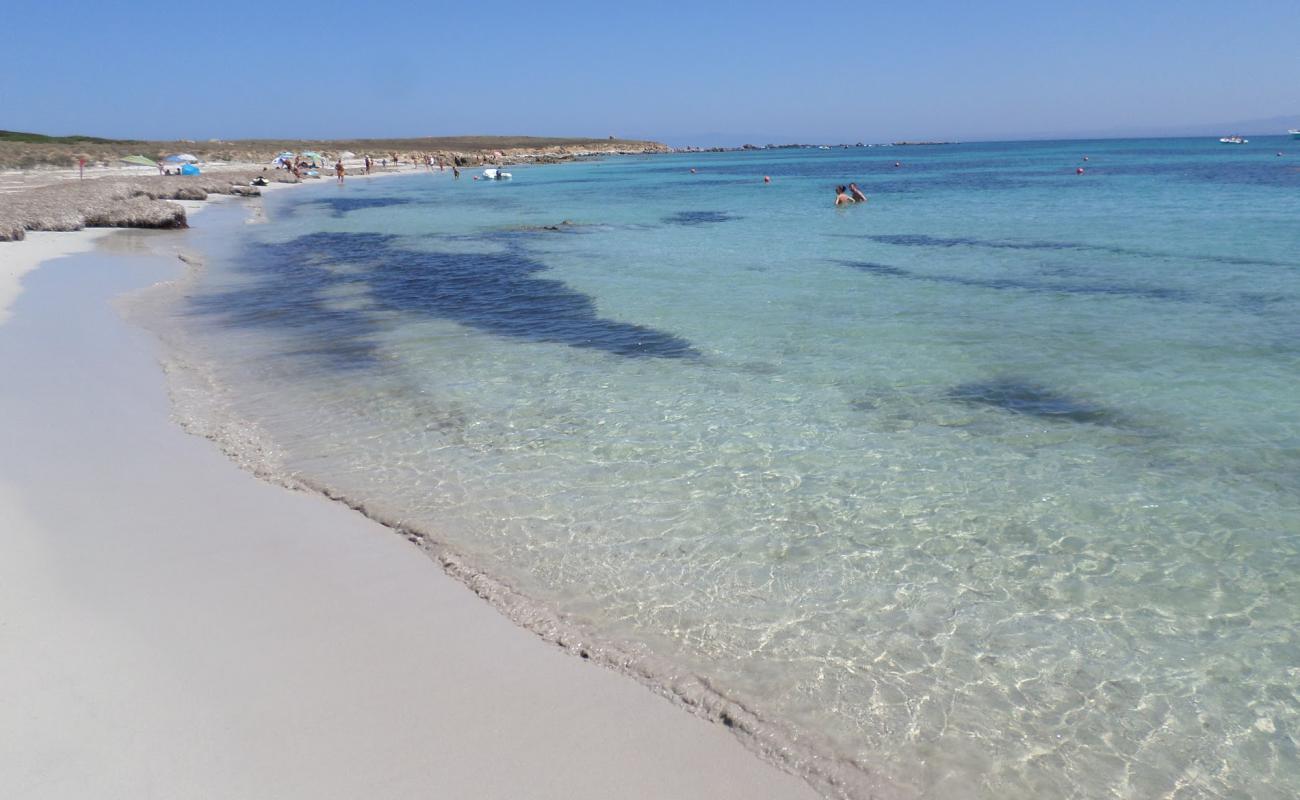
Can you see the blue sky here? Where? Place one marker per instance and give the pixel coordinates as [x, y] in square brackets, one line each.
[708, 72]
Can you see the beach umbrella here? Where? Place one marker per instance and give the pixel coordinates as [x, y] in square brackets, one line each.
[179, 158]
[139, 160]
[310, 154]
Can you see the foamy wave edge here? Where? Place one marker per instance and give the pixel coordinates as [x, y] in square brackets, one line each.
[199, 407]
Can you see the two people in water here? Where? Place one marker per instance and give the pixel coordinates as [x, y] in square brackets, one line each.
[848, 195]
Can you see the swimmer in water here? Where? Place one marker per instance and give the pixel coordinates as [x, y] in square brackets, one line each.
[841, 198]
[857, 193]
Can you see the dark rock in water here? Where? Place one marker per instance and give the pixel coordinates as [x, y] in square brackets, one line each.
[339, 206]
[1025, 397]
[1026, 285]
[496, 292]
[565, 225]
[699, 217]
[878, 269]
[922, 240]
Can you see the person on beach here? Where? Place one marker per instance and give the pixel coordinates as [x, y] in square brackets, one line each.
[338, 170]
[841, 196]
[857, 194]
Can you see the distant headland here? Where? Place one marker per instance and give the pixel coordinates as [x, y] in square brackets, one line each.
[19, 150]
[799, 146]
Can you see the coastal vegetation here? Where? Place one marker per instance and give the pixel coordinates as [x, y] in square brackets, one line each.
[27, 150]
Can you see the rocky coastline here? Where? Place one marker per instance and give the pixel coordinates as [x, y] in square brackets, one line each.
[62, 202]
[120, 201]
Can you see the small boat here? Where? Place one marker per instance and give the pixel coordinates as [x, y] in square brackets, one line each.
[496, 175]
[1234, 140]
[1295, 133]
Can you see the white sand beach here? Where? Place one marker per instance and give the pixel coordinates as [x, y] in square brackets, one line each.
[19, 258]
[172, 627]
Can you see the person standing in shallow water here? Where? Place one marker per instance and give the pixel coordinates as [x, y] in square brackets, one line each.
[841, 196]
[856, 193]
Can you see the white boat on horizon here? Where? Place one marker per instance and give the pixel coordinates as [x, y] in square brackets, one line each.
[1295, 133]
[1234, 140]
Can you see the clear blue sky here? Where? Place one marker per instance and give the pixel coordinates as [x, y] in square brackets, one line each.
[677, 71]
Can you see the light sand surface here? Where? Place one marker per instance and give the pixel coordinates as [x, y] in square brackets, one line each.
[172, 627]
[19, 258]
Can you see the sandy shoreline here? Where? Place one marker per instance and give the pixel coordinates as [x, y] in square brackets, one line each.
[19, 258]
[176, 627]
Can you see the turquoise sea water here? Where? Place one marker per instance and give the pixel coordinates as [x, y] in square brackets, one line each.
[988, 488]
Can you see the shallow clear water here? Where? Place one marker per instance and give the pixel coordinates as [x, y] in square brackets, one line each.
[992, 483]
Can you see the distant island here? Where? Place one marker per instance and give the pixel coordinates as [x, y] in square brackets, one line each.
[798, 146]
